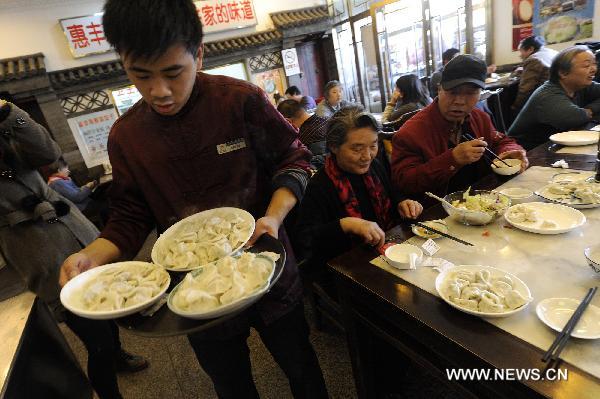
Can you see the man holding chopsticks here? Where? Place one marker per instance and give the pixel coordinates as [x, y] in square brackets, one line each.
[450, 144]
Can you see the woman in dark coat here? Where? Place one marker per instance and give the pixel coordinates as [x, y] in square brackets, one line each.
[39, 229]
[350, 200]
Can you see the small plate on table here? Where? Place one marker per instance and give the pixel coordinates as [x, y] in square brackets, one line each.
[544, 218]
[555, 312]
[575, 138]
[438, 224]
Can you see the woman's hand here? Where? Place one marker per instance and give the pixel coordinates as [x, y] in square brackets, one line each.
[368, 231]
[409, 209]
[266, 224]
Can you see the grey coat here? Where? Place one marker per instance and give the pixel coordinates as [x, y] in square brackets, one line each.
[28, 243]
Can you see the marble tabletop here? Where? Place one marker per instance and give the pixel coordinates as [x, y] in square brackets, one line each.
[13, 313]
[553, 266]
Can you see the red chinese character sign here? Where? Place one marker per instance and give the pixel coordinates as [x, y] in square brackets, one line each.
[85, 35]
[91, 134]
[220, 15]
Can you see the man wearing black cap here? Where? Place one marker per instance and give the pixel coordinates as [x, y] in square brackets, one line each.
[433, 151]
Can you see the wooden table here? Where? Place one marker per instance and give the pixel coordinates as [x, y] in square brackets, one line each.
[383, 315]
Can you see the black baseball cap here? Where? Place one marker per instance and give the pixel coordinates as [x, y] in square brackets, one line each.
[464, 68]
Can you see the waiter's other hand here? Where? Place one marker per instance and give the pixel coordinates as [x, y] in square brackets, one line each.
[74, 265]
[266, 224]
[469, 151]
[368, 231]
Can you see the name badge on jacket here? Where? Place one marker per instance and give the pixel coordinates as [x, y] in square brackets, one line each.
[232, 145]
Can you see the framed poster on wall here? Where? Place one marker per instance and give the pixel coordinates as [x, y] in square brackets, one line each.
[91, 134]
[124, 97]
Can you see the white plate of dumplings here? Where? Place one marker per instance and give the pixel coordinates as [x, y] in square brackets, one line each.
[579, 195]
[115, 290]
[203, 238]
[483, 291]
[224, 286]
[544, 218]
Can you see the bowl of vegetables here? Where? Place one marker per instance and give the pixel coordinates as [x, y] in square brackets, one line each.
[475, 207]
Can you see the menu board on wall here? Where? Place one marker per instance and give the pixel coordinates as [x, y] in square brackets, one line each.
[522, 14]
[85, 35]
[124, 98]
[559, 21]
[91, 134]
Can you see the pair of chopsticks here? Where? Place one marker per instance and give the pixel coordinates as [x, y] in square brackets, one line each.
[487, 149]
[442, 233]
[560, 342]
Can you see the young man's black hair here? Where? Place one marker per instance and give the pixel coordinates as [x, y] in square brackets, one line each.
[293, 91]
[158, 26]
[290, 108]
[449, 54]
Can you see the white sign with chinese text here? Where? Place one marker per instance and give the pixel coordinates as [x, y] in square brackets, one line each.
[85, 35]
[124, 98]
[91, 134]
[220, 15]
[290, 61]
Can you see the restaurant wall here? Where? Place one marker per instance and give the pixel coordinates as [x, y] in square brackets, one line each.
[31, 26]
[502, 26]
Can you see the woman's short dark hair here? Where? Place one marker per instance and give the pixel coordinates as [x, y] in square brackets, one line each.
[60, 163]
[563, 62]
[293, 91]
[290, 108]
[146, 29]
[535, 42]
[412, 90]
[347, 119]
[330, 85]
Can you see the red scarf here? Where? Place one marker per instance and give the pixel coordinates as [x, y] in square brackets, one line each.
[379, 197]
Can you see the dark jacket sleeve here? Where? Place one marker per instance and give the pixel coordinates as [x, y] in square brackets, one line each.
[592, 99]
[286, 158]
[560, 112]
[28, 139]
[70, 191]
[319, 235]
[130, 219]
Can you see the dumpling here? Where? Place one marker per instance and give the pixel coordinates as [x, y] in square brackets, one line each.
[465, 275]
[452, 290]
[470, 304]
[236, 291]
[218, 285]
[500, 288]
[514, 299]
[470, 293]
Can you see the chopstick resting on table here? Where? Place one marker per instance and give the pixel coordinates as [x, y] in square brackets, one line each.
[442, 233]
[492, 153]
[561, 340]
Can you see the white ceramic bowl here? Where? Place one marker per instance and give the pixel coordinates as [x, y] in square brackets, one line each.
[71, 293]
[399, 255]
[592, 254]
[501, 169]
[474, 218]
[517, 195]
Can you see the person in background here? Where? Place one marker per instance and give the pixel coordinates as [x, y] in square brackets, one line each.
[409, 95]
[537, 59]
[278, 98]
[60, 182]
[196, 142]
[333, 101]
[431, 151]
[351, 200]
[293, 93]
[569, 100]
[39, 229]
[311, 129]
[436, 77]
